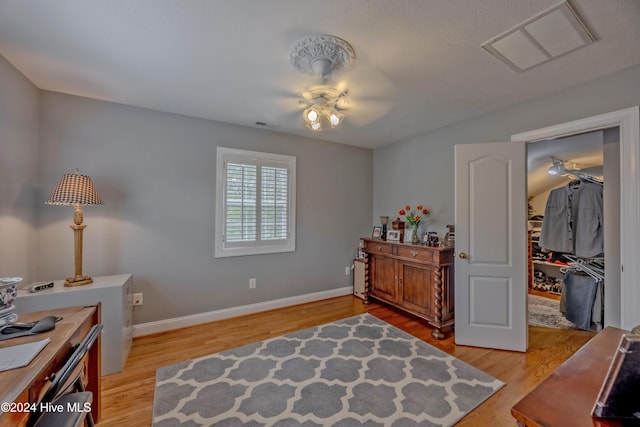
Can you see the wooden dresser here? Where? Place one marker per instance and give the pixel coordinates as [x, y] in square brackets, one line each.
[566, 398]
[417, 279]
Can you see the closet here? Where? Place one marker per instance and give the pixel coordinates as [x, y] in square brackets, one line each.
[574, 225]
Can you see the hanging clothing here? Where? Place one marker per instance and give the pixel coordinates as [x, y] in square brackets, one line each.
[581, 301]
[573, 220]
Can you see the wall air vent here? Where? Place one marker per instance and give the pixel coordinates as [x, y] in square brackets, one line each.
[262, 124]
[549, 35]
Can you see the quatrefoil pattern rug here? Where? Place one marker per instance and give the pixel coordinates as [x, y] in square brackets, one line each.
[359, 371]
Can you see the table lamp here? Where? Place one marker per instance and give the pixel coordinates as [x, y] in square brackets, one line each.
[384, 220]
[76, 190]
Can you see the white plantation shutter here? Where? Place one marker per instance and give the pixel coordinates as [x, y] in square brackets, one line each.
[240, 217]
[274, 203]
[255, 210]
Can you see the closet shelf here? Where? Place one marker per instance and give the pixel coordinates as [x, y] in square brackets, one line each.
[553, 264]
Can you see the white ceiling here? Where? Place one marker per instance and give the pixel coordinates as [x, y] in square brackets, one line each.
[584, 152]
[419, 63]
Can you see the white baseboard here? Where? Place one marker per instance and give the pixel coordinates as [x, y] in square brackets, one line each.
[148, 328]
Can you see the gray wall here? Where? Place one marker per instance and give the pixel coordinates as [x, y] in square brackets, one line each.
[18, 172]
[156, 174]
[421, 169]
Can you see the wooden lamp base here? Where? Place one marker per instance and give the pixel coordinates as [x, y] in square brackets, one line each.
[78, 281]
[78, 278]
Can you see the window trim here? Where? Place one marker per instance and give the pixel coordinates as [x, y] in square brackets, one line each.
[268, 246]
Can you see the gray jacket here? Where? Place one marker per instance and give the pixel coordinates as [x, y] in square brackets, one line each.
[573, 220]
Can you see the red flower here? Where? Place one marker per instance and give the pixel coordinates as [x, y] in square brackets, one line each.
[414, 217]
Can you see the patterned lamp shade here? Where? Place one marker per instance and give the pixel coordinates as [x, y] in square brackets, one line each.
[75, 189]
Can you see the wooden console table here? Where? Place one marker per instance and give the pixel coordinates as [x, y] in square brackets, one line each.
[114, 294]
[567, 396]
[414, 278]
[27, 384]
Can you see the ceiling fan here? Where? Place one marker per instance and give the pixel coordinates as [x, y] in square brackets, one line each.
[324, 56]
[324, 101]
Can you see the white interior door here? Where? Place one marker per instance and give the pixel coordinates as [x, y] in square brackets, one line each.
[491, 245]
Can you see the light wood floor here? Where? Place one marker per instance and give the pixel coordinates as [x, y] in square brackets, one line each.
[128, 395]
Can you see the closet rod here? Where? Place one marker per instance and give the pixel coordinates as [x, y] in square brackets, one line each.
[585, 177]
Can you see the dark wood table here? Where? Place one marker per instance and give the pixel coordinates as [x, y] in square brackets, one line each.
[567, 396]
[26, 385]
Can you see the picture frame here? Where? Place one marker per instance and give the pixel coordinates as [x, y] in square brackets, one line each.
[393, 235]
[377, 232]
[430, 238]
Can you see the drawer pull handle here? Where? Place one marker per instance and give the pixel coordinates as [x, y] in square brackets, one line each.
[413, 253]
[378, 248]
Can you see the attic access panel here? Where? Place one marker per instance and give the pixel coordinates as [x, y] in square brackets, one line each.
[553, 33]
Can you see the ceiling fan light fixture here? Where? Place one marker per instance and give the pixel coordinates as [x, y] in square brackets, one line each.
[311, 115]
[315, 126]
[557, 168]
[335, 118]
[323, 103]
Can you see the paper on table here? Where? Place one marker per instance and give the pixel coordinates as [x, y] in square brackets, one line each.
[17, 356]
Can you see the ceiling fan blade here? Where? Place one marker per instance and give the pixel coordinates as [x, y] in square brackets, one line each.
[272, 108]
[363, 113]
[369, 95]
[365, 80]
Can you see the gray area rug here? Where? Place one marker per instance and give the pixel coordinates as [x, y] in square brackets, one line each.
[359, 371]
[546, 312]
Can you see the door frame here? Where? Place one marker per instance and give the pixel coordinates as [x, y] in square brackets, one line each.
[628, 120]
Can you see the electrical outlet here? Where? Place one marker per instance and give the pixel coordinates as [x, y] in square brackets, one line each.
[252, 283]
[347, 271]
[137, 299]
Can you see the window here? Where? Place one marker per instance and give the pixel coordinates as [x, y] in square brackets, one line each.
[255, 203]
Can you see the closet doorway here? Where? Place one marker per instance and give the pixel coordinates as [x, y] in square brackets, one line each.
[627, 210]
[582, 162]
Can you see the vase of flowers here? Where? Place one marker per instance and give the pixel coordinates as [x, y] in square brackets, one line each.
[414, 217]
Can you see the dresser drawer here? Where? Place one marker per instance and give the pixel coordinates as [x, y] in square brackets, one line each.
[378, 247]
[415, 253]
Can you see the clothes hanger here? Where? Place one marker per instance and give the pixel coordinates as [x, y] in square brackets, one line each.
[585, 266]
[582, 176]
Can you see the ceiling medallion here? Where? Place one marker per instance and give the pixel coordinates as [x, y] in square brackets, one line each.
[322, 55]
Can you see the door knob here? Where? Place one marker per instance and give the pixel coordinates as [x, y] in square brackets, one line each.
[462, 255]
